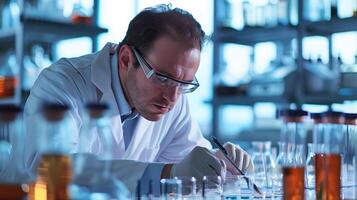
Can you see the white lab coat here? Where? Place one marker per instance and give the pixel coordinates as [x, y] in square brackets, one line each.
[76, 81]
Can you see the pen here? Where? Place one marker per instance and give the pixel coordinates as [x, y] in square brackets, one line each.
[225, 153]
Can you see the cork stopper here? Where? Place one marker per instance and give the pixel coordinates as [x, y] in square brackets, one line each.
[96, 110]
[316, 117]
[350, 118]
[333, 117]
[290, 115]
[54, 112]
[9, 112]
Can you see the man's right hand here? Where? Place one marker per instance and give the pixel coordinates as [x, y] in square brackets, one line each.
[200, 162]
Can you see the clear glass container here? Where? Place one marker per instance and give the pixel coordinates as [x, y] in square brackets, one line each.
[293, 136]
[11, 144]
[310, 167]
[9, 14]
[328, 159]
[171, 189]
[349, 166]
[54, 171]
[258, 160]
[95, 145]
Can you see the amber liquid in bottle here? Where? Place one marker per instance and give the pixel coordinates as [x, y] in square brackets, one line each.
[294, 183]
[328, 173]
[7, 86]
[54, 176]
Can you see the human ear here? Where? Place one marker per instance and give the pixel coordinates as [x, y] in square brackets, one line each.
[125, 57]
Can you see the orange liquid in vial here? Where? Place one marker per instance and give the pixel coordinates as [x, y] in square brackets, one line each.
[54, 175]
[294, 183]
[328, 173]
[78, 19]
[7, 86]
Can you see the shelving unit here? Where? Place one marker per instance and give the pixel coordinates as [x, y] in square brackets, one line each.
[252, 35]
[44, 30]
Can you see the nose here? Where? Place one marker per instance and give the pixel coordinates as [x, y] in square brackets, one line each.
[171, 93]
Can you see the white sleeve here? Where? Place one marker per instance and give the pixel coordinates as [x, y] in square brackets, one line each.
[185, 134]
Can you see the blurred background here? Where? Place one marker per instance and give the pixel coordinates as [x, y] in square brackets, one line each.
[263, 55]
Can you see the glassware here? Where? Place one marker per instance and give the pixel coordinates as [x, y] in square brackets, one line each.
[82, 11]
[328, 159]
[258, 160]
[189, 187]
[270, 165]
[9, 14]
[236, 187]
[293, 135]
[211, 187]
[11, 144]
[95, 143]
[8, 75]
[310, 167]
[54, 172]
[349, 165]
[171, 188]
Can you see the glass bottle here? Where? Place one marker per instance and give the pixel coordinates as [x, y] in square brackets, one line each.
[11, 148]
[328, 158]
[8, 75]
[54, 172]
[95, 143]
[310, 167]
[270, 165]
[293, 135]
[82, 11]
[259, 165]
[349, 165]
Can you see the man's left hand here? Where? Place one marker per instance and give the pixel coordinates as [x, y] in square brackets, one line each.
[240, 157]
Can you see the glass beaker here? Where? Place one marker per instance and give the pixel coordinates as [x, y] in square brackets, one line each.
[54, 172]
[259, 165]
[171, 188]
[293, 135]
[211, 187]
[328, 159]
[95, 145]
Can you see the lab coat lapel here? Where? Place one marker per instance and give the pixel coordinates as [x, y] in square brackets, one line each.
[140, 140]
[101, 77]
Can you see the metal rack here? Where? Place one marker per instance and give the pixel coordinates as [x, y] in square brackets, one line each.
[32, 29]
[252, 35]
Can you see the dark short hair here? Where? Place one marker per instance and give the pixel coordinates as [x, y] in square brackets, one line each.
[162, 20]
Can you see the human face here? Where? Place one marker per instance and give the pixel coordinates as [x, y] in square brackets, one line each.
[169, 58]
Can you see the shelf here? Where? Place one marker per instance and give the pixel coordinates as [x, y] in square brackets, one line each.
[335, 25]
[308, 99]
[7, 36]
[247, 100]
[51, 31]
[252, 35]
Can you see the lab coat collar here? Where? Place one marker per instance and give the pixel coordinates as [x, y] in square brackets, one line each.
[101, 76]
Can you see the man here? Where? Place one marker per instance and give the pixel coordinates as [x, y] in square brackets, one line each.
[144, 80]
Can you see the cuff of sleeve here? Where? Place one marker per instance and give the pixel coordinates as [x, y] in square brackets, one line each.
[150, 181]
